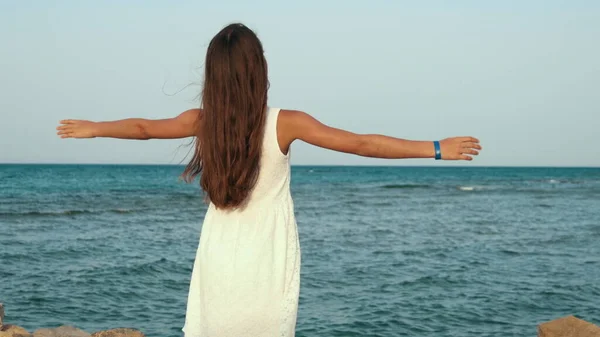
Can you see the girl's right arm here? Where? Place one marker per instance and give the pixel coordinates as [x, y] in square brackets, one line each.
[298, 125]
[182, 126]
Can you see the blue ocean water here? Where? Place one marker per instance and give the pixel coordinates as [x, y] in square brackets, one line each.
[387, 251]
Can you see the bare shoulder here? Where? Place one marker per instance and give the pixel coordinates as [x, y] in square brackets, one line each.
[186, 124]
[288, 117]
[296, 124]
[285, 128]
[290, 124]
[190, 116]
[289, 113]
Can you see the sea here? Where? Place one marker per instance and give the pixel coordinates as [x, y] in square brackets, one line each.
[386, 251]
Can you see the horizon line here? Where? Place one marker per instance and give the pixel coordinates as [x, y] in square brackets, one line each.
[316, 165]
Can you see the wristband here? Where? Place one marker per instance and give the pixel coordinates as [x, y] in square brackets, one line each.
[438, 151]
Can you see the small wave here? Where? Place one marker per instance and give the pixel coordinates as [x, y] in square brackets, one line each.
[147, 268]
[121, 210]
[65, 212]
[429, 280]
[382, 204]
[46, 213]
[402, 186]
[510, 252]
[470, 188]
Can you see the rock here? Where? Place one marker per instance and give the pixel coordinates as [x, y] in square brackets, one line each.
[9, 330]
[569, 326]
[1, 315]
[120, 332]
[61, 331]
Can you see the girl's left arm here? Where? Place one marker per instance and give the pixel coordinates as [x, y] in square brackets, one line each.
[182, 126]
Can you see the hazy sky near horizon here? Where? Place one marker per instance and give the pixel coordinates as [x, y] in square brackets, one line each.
[523, 76]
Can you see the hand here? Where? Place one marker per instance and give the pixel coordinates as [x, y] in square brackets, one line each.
[73, 128]
[459, 148]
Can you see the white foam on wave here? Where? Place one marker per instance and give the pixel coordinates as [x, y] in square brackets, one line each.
[466, 188]
[553, 181]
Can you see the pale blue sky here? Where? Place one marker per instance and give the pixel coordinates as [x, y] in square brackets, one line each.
[523, 76]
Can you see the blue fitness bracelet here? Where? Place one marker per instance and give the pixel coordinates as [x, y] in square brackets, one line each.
[438, 151]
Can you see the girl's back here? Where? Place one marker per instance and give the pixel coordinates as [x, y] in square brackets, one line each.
[272, 185]
[246, 277]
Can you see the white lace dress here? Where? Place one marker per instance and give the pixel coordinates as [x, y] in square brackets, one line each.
[246, 276]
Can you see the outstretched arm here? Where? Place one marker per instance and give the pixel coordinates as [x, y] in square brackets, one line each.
[299, 125]
[182, 126]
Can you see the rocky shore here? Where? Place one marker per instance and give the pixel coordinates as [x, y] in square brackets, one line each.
[10, 330]
[569, 326]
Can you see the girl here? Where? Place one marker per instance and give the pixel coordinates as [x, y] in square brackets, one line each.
[246, 275]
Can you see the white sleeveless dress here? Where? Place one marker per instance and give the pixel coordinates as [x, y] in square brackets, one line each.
[246, 275]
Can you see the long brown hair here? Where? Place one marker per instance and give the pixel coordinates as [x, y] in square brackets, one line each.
[230, 129]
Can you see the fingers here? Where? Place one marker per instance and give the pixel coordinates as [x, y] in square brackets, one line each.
[464, 148]
[471, 145]
[68, 121]
[66, 132]
[469, 139]
[66, 129]
[469, 151]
